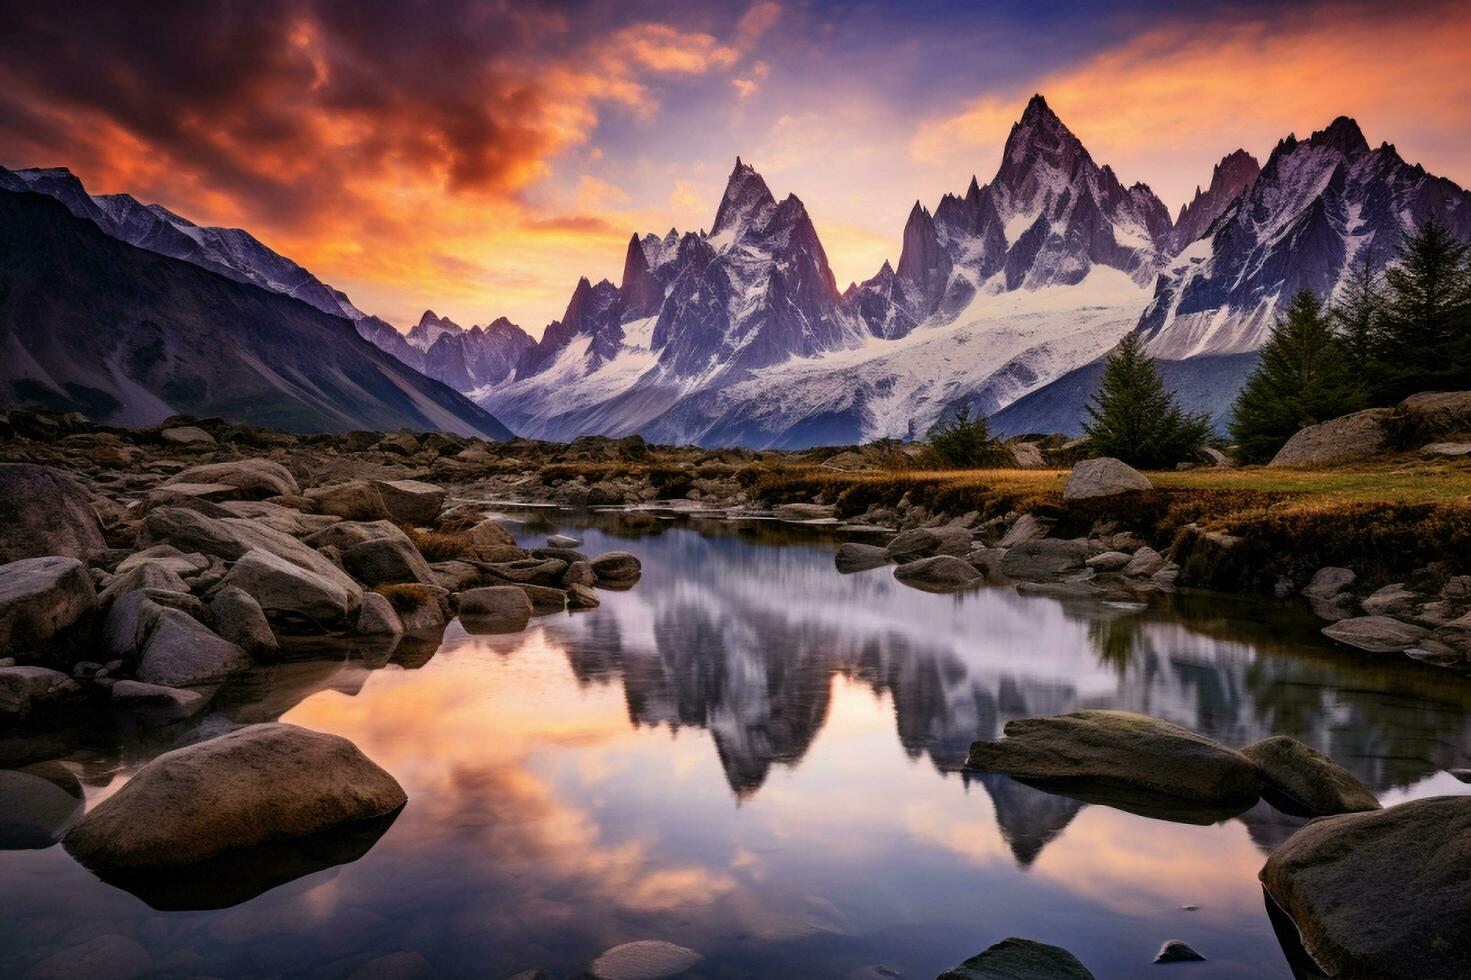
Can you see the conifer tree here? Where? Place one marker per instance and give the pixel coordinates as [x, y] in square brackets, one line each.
[1426, 332]
[1303, 376]
[1133, 417]
[1357, 317]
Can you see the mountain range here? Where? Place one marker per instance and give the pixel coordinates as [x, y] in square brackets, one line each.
[1004, 298]
[128, 336]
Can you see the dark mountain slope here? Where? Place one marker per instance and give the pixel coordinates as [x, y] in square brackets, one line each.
[129, 336]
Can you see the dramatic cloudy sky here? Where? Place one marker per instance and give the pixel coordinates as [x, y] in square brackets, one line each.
[477, 157]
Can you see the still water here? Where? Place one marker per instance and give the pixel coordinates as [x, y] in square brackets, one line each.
[755, 757]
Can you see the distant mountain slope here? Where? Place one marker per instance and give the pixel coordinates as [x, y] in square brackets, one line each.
[129, 336]
[1201, 384]
[232, 252]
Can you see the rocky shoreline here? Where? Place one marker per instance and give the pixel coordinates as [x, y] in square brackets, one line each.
[143, 570]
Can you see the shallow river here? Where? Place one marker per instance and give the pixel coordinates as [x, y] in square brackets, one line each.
[755, 757]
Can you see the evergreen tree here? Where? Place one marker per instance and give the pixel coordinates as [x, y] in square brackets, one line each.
[961, 442]
[1303, 375]
[1357, 316]
[1426, 333]
[1133, 417]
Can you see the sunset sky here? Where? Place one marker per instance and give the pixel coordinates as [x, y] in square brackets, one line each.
[477, 158]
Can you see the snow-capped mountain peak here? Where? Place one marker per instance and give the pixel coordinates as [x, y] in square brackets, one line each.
[747, 203]
[1318, 207]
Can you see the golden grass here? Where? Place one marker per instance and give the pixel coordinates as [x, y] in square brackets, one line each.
[1406, 481]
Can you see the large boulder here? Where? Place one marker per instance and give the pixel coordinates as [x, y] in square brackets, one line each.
[1123, 751]
[1299, 779]
[1103, 477]
[392, 558]
[256, 479]
[644, 959]
[37, 804]
[410, 501]
[377, 618]
[182, 652]
[616, 566]
[854, 556]
[286, 591]
[939, 573]
[1045, 559]
[1346, 439]
[500, 601]
[186, 435]
[495, 609]
[1432, 414]
[230, 538]
[1020, 959]
[158, 702]
[921, 542]
[25, 689]
[39, 598]
[1382, 894]
[240, 619]
[143, 575]
[254, 785]
[1376, 634]
[355, 500]
[45, 512]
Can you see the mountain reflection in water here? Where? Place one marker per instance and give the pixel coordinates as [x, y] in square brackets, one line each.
[755, 757]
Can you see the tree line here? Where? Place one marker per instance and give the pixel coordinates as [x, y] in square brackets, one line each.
[1387, 336]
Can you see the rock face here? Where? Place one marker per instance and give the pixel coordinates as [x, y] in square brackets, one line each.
[45, 512]
[1301, 780]
[1020, 959]
[1103, 477]
[1376, 634]
[257, 784]
[1382, 894]
[1341, 440]
[940, 573]
[39, 598]
[1124, 750]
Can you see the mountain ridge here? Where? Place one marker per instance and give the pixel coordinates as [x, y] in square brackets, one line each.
[130, 336]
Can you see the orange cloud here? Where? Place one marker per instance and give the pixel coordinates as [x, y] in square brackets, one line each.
[1167, 105]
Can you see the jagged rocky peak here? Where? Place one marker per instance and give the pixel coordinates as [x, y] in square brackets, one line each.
[1041, 157]
[921, 260]
[1343, 134]
[747, 203]
[1236, 172]
[430, 328]
[1319, 207]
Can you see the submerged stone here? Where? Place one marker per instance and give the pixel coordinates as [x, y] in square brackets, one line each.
[1020, 959]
